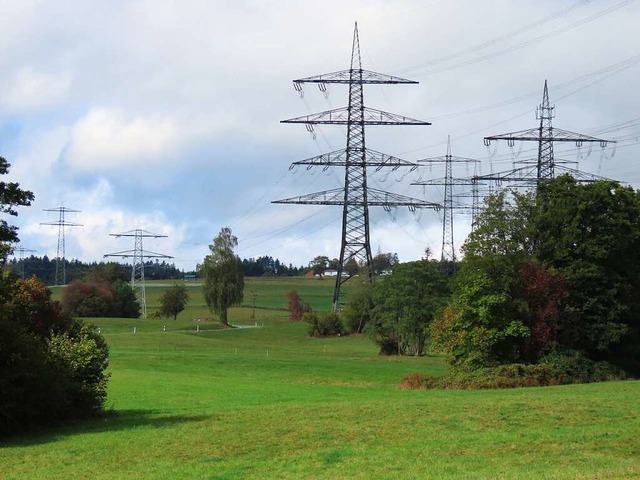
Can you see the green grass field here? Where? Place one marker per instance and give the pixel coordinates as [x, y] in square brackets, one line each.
[271, 403]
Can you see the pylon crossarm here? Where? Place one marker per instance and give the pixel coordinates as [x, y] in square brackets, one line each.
[139, 233]
[359, 76]
[370, 116]
[523, 174]
[444, 181]
[444, 159]
[579, 175]
[327, 197]
[551, 134]
[381, 198]
[338, 158]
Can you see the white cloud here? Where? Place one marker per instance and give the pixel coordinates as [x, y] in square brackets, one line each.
[108, 138]
[29, 90]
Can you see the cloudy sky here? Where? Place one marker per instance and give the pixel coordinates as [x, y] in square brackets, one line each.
[165, 115]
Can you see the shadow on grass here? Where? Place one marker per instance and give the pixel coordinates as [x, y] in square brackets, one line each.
[110, 421]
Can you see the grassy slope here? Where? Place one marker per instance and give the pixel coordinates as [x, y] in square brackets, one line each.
[272, 403]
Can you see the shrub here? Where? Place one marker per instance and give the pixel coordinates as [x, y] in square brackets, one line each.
[81, 356]
[51, 367]
[323, 325]
[296, 306]
[100, 299]
[561, 370]
[87, 299]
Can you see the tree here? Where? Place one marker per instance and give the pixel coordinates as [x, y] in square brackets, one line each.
[100, 299]
[11, 195]
[551, 273]
[296, 306]
[319, 264]
[125, 303]
[223, 275]
[406, 301]
[51, 366]
[87, 299]
[382, 262]
[173, 301]
[357, 312]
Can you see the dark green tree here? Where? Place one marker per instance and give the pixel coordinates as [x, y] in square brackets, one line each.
[591, 235]
[551, 273]
[223, 275]
[319, 264]
[125, 303]
[11, 196]
[382, 262]
[357, 312]
[174, 300]
[406, 301]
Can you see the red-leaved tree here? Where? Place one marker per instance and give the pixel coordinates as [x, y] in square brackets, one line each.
[296, 306]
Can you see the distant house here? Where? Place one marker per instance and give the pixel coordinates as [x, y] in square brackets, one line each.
[330, 273]
[189, 276]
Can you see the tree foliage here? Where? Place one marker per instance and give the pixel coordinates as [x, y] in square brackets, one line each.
[51, 366]
[100, 299]
[296, 306]
[382, 262]
[223, 275]
[405, 302]
[11, 196]
[551, 273]
[319, 265]
[357, 312]
[174, 300]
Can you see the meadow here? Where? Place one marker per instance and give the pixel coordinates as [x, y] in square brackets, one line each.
[190, 400]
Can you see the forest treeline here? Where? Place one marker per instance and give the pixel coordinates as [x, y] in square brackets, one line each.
[44, 268]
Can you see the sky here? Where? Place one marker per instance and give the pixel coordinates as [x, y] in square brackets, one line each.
[165, 115]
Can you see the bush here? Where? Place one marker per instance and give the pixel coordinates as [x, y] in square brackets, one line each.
[296, 306]
[560, 370]
[51, 367]
[100, 299]
[81, 356]
[323, 325]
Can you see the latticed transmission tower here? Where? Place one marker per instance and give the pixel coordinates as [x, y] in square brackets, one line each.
[138, 254]
[20, 257]
[546, 166]
[355, 197]
[61, 269]
[448, 249]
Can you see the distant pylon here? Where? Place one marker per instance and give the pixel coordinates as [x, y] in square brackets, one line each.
[356, 196]
[21, 261]
[546, 166]
[138, 254]
[61, 269]
[448, 247]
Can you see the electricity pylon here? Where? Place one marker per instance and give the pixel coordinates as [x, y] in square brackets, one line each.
[355, 197]
[138, 254]
[448, 248]
[61, 270]
[22, 251]
[546, 166]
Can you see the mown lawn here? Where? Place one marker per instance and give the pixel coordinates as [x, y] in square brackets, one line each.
[271, 403]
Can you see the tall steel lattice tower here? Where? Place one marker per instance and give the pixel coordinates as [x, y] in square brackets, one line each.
[448, 249]
[21, 260]
[61, 269]
[546, 166]
[355, 197]
[138, 254]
